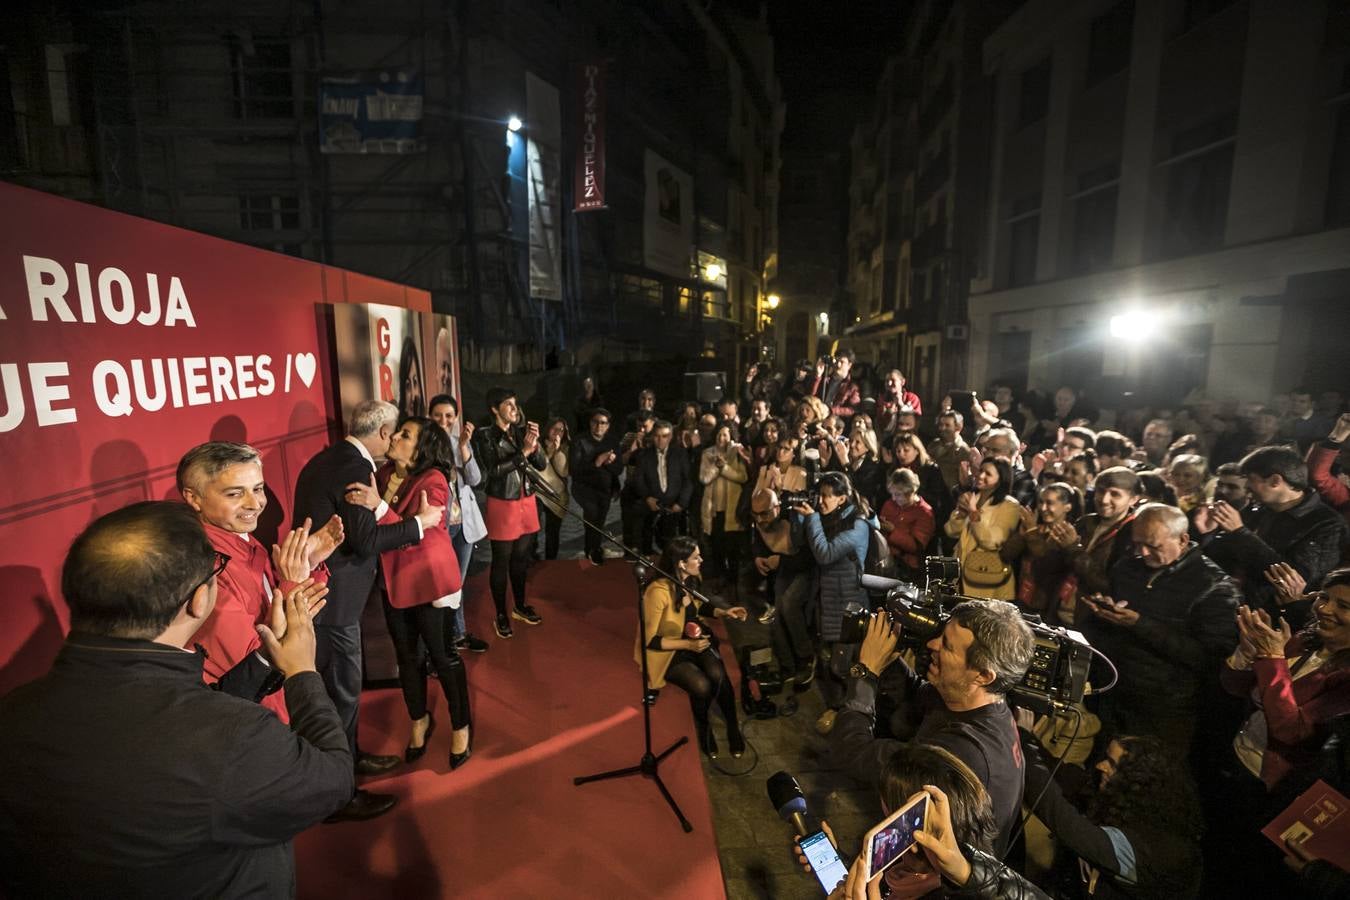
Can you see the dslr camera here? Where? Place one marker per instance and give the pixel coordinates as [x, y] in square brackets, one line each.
[1060, 659]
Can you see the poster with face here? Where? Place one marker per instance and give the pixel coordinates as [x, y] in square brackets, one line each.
[444, 365]
[381, 355]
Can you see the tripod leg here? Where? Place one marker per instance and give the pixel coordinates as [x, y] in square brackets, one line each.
[684, 823]
[671, 749]
[613, 773]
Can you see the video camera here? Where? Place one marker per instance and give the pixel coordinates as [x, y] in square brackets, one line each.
[1057, 675]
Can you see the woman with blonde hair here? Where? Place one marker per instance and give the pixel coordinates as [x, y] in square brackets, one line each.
[722, 471]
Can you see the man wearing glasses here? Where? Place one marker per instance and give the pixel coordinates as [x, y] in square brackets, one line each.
[126, 775]
[596, 467]
[223, 483]
[664, 485]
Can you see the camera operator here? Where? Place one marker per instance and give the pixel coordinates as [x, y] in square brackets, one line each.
[778, 556]
[958, 704]
[838, 537]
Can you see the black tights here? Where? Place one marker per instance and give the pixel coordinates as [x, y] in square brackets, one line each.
[703, 677]
[510, 559]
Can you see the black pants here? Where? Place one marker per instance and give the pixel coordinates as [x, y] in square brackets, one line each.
[595, 507]
[790, 632]
[552, 529]
[337, 656]
[658, 527]
[725, 550]
[510, 559]
[427, 623]
[704, 678]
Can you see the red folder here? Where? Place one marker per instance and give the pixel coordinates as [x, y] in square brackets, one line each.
[1320, 820]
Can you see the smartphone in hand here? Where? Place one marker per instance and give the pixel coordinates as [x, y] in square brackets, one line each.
[828, 868]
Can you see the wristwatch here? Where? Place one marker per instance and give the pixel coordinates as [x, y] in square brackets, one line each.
[858, 670]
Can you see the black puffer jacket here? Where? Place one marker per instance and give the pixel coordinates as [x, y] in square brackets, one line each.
[1186, 627]
[502, 461]
[992, 880]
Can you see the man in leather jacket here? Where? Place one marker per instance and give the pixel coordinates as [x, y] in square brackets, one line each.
[595, 468]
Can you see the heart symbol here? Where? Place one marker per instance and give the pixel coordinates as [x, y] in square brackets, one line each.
[305, 364]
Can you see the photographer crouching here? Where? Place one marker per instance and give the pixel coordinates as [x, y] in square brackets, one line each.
[981, 652]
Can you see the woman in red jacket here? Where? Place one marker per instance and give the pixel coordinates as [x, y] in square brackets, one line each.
[1297, 683]
[907, 521]
[422, 583]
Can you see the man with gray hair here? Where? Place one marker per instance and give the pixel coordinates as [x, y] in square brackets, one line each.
[957, 704]
[1003, 443]
[1168, 623]
[223, 483]
[327, 486]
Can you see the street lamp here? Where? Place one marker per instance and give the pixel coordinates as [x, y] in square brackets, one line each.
[774, 300]
[713, 271]
[514, 124]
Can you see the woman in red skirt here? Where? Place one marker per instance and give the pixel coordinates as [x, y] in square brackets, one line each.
[505, 450]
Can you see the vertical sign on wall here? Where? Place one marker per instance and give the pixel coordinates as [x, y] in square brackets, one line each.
[589, 154]
[544, 177]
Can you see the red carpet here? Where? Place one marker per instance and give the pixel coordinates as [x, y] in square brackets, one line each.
[556, 701]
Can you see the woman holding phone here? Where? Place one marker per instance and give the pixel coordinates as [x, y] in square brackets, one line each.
[681, 650]
[954, 852]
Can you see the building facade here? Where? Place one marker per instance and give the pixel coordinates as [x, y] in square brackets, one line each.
[918, 193]
[1169, 200]
[230, 118]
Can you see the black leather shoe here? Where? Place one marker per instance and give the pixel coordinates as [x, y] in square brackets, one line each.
[363, 805]
[370, 764]
[598, 558]
[472, 642]
[412, 754]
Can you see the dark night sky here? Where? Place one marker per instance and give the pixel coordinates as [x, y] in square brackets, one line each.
[829, 56]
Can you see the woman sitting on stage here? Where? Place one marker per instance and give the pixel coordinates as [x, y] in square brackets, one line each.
[422, 582]
[681, 650]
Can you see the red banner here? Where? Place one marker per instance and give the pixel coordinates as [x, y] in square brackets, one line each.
[589, 187]
[125, 342]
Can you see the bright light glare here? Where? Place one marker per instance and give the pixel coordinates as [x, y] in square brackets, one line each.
[714, 271]
[1135, 325]
[514, 123]
[774, 300]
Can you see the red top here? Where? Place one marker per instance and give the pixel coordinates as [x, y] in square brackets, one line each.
[1334, 493]
[419, 573]
[914, 528]
[243, 600]
[1297, 712]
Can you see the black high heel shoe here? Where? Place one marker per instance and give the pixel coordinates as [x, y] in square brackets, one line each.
[459, 759]
[737, 742]
[413, 754]
[707, 743]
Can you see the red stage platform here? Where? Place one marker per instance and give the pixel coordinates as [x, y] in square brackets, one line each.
[556, 701]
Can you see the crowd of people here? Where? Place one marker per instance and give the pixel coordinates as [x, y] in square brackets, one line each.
[1200, 548]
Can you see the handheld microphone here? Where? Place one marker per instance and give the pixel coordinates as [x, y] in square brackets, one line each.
[786, 796]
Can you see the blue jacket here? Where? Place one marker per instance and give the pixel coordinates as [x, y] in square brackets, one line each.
[841, 561]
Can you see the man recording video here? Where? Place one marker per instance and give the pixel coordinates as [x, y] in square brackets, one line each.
[957, 704]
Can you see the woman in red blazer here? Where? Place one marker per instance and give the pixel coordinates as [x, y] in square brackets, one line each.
[422, 583]
[1298, 683]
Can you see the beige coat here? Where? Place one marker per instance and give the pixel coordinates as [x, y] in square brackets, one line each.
[997, 523]
[722, 488]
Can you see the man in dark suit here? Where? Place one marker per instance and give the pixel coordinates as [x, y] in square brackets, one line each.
[663, 482]
[327, 485]
[153, 783]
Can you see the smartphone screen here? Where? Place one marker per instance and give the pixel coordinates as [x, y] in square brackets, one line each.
[824, 860]
[897, 836]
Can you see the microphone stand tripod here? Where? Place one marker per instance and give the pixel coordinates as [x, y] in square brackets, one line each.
[645, 571]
